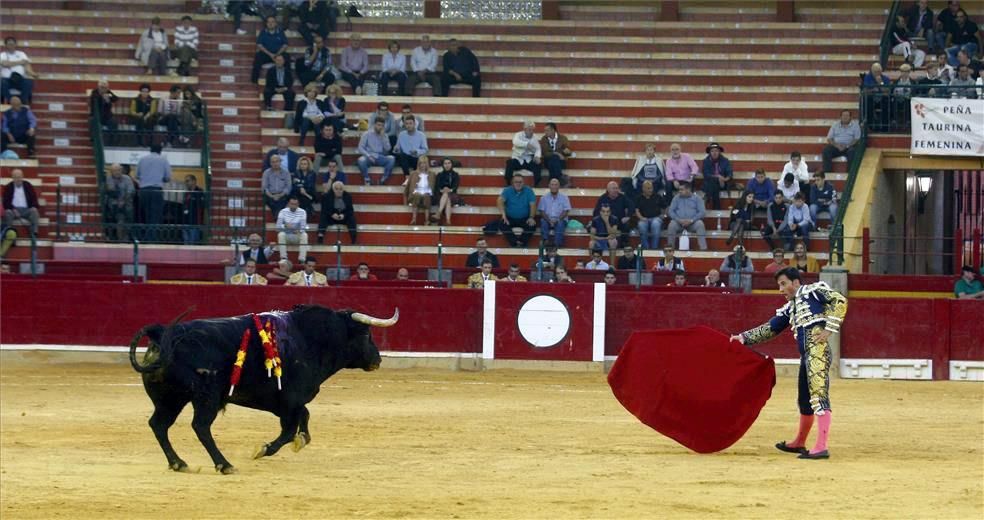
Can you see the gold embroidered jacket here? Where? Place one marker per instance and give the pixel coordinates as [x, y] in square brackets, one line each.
[813, 304]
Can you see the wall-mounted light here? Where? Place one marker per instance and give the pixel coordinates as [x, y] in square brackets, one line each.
[924, 182]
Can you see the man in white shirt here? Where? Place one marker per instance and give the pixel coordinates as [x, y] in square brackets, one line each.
[596, 263]
[292, 228]
[393, 68]
[797, 167]
[15, 71]
[423, 67]
[526, 154]
[789, 186]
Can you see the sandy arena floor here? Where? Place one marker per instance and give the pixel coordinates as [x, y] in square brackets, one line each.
[75, 444]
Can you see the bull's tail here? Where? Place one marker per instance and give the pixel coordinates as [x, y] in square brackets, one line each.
[163, 337]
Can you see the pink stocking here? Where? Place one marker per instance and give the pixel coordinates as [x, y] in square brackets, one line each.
[823, 425]
[806, 422]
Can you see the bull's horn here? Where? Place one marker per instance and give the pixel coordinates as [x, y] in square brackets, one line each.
[376, 322]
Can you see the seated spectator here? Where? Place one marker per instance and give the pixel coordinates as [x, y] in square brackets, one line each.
[687, 214]
[560, 275]
[875, 97]
[964, 58]
[679, 279]
[739, 267]
[480, 254]
[901, 95]
[680, 167]
[610, 277]
[477, 280]
[461, 66]
[741, 216]
[392, 125]
[169, 109]
[236, 9]
[932, 78]
[393, 68]
[192, 109]
[407, 110]
[947, 72]
[962, 35]
[775, 223]
[292, 228]
[270, 43]
[597, 263]
[822, 197]
[411, 145]
[650, 212]
[256, 251]
[963, 79]
[554, 207]
[513, 275]
[903, 44]
[19, 126]
[604, 232]
[841, 140]
[526, 154]
[277, 186]
[16, 75]
[762, 189]
[331, 175]
[423, 67]
[152, 49]
[143, 115]
[288, 157]
[314, 69]
[669, 262]
[968, 287]
[119, 204]
[621, 207]
[362, 273]
[920, 22]
[313, 15]
[789, 186]
[798, 221]
[304, 184]
[192, 209]
[248, 276]
[550, 258]
[555, 150]
[803, 262]
[20, 201]
[374, 150]
[328, 149]
[629, 259]
[778, 261]
[402, 274]
[717, 174]
[101, 104]
[517, 205]
[281, 272]
[309, 114]
[337, 209]
[713, 279]
[354, 65]
[418, 192]
[279, 80]
[447, 185]
[309, 277]
[796, 166]
[185, 45]
[650, 168]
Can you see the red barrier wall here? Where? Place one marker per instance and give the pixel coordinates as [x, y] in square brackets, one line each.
[576, 345]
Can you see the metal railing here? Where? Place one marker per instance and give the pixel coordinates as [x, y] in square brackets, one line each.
[184, 127]
[913, 254]
[887, 109]
[836, 239]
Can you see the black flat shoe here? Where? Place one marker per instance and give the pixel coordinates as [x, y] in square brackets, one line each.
[781, 446]
[812, 456]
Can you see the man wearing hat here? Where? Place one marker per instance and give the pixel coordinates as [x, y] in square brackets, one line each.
[739, 268]
[717, 173]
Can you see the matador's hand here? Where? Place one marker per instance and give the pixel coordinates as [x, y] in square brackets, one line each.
[737, 337]
[823, 335]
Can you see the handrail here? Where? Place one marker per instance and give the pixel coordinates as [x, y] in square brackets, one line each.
[206, 156]
[99, 152]
[836, 239]
[885, 45]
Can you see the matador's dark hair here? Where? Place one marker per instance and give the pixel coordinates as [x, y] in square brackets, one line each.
[791, 273]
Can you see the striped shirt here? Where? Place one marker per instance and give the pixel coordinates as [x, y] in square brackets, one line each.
[186, 36]
[292, 221]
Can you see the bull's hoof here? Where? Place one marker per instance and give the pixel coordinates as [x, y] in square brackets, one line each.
[300, 440]
[226, 469]
[261, 451]
[180, 466]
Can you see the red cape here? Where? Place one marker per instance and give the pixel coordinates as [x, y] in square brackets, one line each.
[692, 385]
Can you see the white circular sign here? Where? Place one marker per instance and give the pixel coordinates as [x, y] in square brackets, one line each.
[543, 321]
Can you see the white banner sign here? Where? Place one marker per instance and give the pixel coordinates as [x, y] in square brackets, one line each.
[947, 126]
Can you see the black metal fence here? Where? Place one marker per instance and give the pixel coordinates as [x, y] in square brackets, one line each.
[887, 109]
[179, 123]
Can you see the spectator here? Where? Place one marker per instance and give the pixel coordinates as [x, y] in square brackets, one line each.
[20, 201]
[597, 263]
[407, 110]
[739, 267]
[309, 114]
[680, 167]
[963, 79]
[337, 209]
[713, 279]
[411, 145]
[968, 287]
[292, 228]
[962, 35]
[304, 184]
[402, 274]
[778, 261]
[513, 274]
[333, 174]
[610, 277]
[798, 221]
[170, 116]
[418, 191]
[362, 273]
[256, 251]
[964, 58]
[288, 157]
[687, 213]
[393, 68]
[920, 20]
[789, 186]
[740, 219]
[391, 124]
[153, 170]
[248, 276]
[313, 15]
[185, 45]
[876, 90]
[822, 197]
[629, 259]
[143, 115]
[309, 277]
[477, 280]
[775, 225]
[841, 139]
[901, 94]
[119, 204]
[604, 232]
[796, 166]
[461, 66]
[945, 20]
[650, 212]
[480, 254]
[374, 150]
[560, 275]
[555, 150]
[192, 109]
[101, 105]
[762, 188]
[236, 9]
[679, 279]
[554, 207]
[517, 205]
[622, 208]
[327, 148]
[902, 39]
[447, 185]
[717, 173]
[19, 126]
[947, 72]
[152, 49]
[315, 66]
[279, 80]
[550, 259]
[281, 272]
[803, 262]
[270, 43]
[193, 202]
[354, 65]
[276, 186]
[670, 262]
[526, 154]
[650, 168]
[932, 78]
[16, 74]
[423, 66]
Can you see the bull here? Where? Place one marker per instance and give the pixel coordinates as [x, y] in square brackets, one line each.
[192, 362]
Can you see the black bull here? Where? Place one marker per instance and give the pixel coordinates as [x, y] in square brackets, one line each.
[193, 362]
